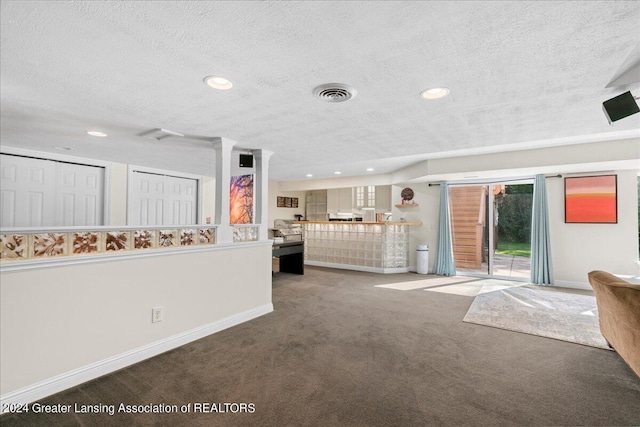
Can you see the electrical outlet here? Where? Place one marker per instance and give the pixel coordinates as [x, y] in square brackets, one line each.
[156, 314]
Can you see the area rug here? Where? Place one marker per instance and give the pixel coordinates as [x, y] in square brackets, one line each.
[563, 315]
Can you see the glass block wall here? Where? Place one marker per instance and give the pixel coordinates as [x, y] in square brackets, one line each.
[244, 233]
[367, 245]
[16, 246]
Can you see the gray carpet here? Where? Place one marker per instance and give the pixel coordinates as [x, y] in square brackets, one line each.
[568, 315]
[339, 351]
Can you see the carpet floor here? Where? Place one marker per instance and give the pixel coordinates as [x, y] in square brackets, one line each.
[340, 351]
[568, 315]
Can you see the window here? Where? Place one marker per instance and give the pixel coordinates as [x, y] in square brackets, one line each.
[359, 197]
[371, 196]
[365, 196]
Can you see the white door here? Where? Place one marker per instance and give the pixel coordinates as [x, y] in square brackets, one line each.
[47, 193]
[162, 199]
[28, 191]
[79, 194]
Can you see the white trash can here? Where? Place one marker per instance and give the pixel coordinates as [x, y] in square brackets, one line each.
[422, 259]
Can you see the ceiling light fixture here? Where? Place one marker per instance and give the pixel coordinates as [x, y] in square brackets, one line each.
[218, 82]
[370, 169]
[61, 148]
[435, 93]
[337, 173]
[96, 133]
[309, 175]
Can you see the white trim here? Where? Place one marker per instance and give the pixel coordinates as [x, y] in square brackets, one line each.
[572, 285]
[199, 184]
[53, 156]
[536, 144]
[99, 228]
[358, 267]
[106, 185]
[13, 266]
[106, 197]
[78, 376]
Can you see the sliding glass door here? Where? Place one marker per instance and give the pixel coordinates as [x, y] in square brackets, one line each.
[491, 229]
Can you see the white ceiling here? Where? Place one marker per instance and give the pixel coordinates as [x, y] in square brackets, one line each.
[519, 73]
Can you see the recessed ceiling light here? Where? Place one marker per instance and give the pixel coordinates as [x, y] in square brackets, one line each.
[337, 172]
[435, 93]
[370, 169]
[96, 133]
[61, 148]
[218, 82]
[309, 175]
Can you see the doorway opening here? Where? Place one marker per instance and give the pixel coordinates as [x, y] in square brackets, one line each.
[491, 229]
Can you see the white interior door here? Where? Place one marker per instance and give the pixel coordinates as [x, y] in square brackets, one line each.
[28, 192]
[162, 199]
[79, 195]
[47, 193]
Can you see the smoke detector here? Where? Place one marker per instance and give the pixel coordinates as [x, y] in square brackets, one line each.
[334, 92]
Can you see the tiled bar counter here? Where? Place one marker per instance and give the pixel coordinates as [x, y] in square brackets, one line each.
[380, 247]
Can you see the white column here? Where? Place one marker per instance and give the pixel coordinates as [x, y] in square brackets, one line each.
[223, 147]
[261, 191]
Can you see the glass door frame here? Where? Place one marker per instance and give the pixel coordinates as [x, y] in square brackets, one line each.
[490, 221]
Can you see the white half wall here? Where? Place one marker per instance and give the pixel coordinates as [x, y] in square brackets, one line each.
[62, 319]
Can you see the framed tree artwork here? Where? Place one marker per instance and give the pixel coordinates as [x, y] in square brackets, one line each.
[241, 200]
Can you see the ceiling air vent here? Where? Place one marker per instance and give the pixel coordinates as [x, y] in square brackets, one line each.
[160, 134]
[334, 92]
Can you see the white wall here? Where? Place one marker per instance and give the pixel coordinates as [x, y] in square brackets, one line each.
[576, 248]
[428, 200]
[208, 199]
[59, 319]
[117, 194]
[284, 213]
[579, 248]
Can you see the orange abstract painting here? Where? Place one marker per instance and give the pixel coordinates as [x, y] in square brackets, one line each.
[591, 199]
[241, 200]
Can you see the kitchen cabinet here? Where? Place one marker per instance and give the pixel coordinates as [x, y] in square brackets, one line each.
[340, 200]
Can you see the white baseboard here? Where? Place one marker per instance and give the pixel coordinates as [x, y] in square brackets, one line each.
[572, 285]
[358, 267]
[41, 389]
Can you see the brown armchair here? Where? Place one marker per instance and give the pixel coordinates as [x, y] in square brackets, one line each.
[619, 315]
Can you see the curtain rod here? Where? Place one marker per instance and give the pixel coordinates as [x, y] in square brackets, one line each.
[497, 182]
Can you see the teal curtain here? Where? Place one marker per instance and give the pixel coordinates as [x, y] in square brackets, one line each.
[541, 266]
[444, 264]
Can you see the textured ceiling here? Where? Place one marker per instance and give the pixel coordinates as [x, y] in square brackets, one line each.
[519, 72]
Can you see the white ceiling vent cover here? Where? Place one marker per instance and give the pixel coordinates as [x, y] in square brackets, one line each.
[160, 134]
[334, 92]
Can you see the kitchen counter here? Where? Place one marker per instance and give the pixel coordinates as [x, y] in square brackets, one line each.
[379, 247]
[359, 222]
